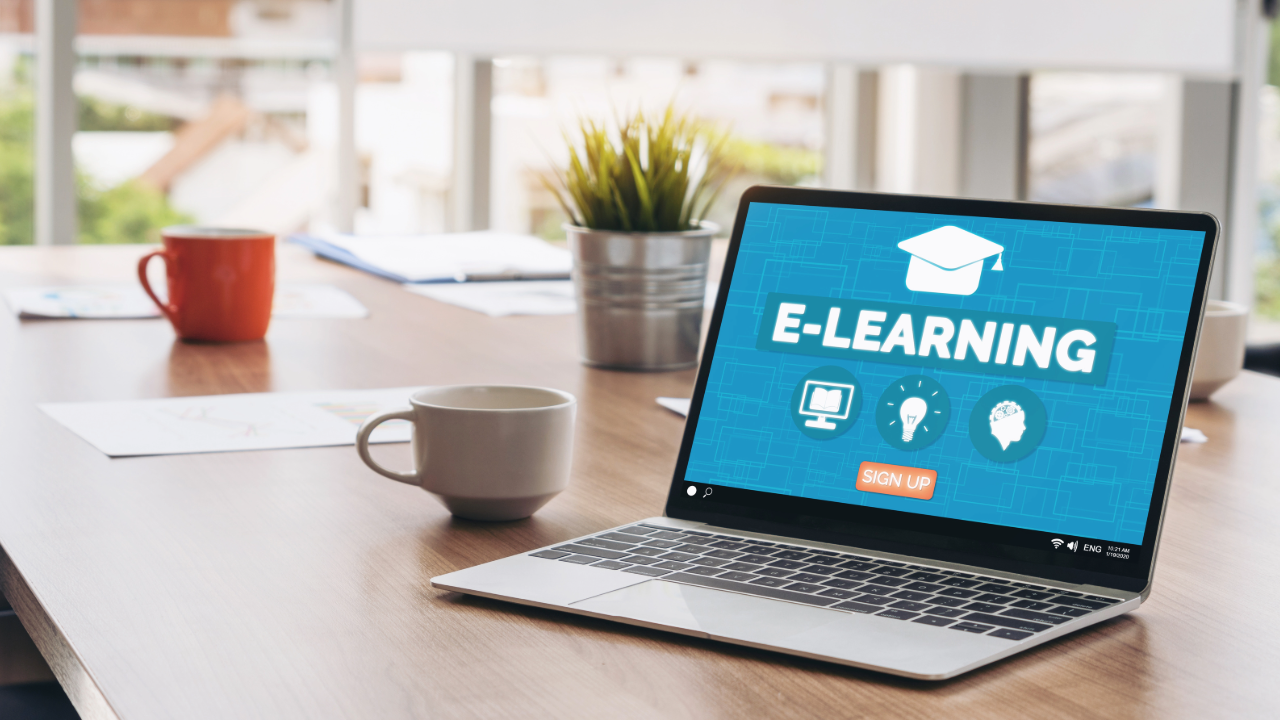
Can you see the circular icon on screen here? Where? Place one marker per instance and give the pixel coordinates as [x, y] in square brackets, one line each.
[826, 402]
[913, 412]
[1008, 423]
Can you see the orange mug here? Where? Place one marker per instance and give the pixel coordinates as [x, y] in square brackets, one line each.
[221, 282]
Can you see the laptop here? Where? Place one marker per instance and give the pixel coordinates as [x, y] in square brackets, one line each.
[927, 434]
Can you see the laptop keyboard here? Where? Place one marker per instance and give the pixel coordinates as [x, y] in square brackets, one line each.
[840, 581]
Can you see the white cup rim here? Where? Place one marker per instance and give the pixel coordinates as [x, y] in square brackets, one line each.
[1224, 308]
[416, 399]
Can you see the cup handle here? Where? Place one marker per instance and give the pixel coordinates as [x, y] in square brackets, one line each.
[362, 444]
[166, 310]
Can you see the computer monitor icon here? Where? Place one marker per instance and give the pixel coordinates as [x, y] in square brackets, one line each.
[825, 401]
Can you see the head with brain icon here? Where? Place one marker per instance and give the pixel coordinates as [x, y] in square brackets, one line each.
[1008, 423]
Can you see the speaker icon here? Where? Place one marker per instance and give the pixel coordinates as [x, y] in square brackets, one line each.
[1073, 545]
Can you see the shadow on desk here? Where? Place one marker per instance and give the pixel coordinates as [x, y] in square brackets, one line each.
[36, 701]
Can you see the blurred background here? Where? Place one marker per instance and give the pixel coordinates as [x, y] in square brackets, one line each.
[231, 112]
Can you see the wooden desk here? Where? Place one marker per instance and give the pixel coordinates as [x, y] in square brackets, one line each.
[295, 583]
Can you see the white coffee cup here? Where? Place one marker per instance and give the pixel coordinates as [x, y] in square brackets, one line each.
[1221, 353]
[487, 452]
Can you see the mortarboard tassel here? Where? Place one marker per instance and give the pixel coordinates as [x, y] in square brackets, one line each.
[998, 266]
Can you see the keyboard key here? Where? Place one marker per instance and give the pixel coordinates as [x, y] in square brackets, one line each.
[856, 557]
[619, 537]
[1103, 600]
[891, 571]
[842, 584]
[596, 552]
[1031, 605]
[611, 565]
[770, 582]
[1068, 611]
[709, 562]
[857, 565]
[756, 549]
[678, 556]
[639, 560]
[820, 570]
[579, 559]
[995, 588]
[606, 544]
[889, 581]
[917, 567]
[548, 554]
[670, 565]
[774, 572]
[962, 574]
[878, 590]
[994, 598]
[832, 553]
[699, 534]
[667, 535]
[721, 583]
[946, 612]
[1008, 634]
[790, 555]
[857, 607]
[891, 563]
[741, 567]
[825, 560]
[1002, 621]
[807, 578]
[927, 577]
[838, 594]
[701, 542]
[947, 601]
[787, 564]
[635, 530]
[911, 595]
[908, 605]
[805, 587]
[738, 576]
[875, 600]
[727, 545]
[1082, 603]
[1070, 594]
[651, 572]
[789, 547]
[933, 620]
[922, 587]
[969, 627]
[691, 549]
[704, 571]
[757, 559]
[960, 582]
[1033, 594]
[650, 551]
[897, 614]
[666, 544]
[854, 575]
[1036, 616]
[723, 555]
[983, 607]
[957, 592]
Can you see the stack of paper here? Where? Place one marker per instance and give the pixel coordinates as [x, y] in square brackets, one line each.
[120, 302]
[446, 257]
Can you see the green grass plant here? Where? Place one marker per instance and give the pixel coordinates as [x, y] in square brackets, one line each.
[655, 174]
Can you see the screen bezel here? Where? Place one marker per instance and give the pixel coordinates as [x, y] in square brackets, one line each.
[786, 519]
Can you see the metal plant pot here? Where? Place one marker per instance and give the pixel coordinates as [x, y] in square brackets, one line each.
[640, 296]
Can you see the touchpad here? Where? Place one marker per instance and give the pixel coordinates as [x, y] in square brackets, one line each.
[703, 611]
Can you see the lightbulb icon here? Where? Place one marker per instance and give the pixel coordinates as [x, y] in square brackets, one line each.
[912, 412]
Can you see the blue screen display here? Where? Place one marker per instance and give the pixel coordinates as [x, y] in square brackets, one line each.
[1009, 372]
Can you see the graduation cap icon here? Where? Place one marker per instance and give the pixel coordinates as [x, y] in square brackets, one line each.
[948, 260]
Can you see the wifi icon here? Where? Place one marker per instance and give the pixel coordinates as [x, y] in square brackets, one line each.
[1057, 543]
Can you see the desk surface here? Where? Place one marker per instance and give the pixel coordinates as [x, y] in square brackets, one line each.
[295, 583]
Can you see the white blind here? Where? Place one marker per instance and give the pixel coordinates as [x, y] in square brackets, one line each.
[1192, 36]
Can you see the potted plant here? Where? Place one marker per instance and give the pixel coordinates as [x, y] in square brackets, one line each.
[636, 200]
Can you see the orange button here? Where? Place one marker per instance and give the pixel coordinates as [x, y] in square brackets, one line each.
[897, 480]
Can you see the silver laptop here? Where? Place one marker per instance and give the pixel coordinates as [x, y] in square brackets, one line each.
[926, 434]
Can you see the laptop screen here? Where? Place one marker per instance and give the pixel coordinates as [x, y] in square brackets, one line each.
[985, 384]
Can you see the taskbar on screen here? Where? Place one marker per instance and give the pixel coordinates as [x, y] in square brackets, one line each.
[826, 520]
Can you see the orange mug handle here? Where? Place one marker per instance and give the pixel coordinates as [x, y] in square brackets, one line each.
[166, 310]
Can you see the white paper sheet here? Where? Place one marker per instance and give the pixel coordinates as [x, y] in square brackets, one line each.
[225, 423]
[457, 256]
[499, 299]
[122, 302]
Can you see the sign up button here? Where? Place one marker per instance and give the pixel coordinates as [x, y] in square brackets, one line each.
[897, 480]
